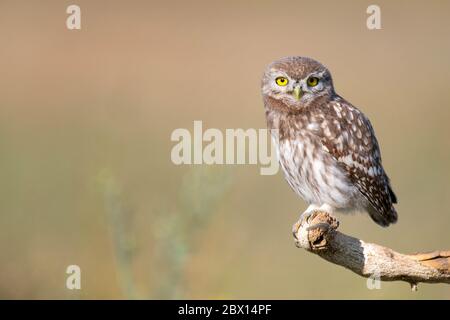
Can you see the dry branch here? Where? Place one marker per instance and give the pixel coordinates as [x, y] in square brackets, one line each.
[318, 234]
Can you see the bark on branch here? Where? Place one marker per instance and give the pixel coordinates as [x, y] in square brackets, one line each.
[318, 234]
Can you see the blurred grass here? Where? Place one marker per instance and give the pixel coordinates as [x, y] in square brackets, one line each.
[93, 111]
[174, 233]
[120, 224]
[201, 190]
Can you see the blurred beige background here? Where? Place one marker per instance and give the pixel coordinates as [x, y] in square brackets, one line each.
[85, 124]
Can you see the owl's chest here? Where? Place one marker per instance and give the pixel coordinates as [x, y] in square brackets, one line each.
[311, 172]
[298, 155]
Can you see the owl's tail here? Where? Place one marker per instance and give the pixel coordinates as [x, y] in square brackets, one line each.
[383, 219]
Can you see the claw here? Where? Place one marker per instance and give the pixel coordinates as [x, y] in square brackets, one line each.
[322, 226]
[306, 215]
[295, 228]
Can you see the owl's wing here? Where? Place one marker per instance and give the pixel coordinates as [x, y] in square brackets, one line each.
[347, 134]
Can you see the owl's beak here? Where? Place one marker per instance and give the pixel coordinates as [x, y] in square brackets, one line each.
[297, 93]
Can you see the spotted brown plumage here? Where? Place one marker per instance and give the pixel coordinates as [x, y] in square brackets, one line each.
[327, 147]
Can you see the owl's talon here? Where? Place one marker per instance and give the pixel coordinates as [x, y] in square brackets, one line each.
[295, 228]
[309, 215]
[321, 225]
[305, 216]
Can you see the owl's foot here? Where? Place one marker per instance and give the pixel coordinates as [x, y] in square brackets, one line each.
[309, 216]
[295, 228]
[306, 217]
[314, 233]
[313, 209]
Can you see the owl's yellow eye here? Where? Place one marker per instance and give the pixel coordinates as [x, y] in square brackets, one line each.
[282, 81]
[312, 81]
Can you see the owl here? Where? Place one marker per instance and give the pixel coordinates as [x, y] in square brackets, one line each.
[326, 146]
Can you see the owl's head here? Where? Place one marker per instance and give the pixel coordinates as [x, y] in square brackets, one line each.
[295, 82]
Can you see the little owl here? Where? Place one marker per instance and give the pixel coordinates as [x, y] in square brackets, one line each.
[326, 146]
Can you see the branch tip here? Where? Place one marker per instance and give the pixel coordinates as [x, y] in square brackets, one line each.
[318, 234]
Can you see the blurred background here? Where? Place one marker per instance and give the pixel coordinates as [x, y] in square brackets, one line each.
[85, 124]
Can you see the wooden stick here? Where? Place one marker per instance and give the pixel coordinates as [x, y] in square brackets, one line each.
[318, 234]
